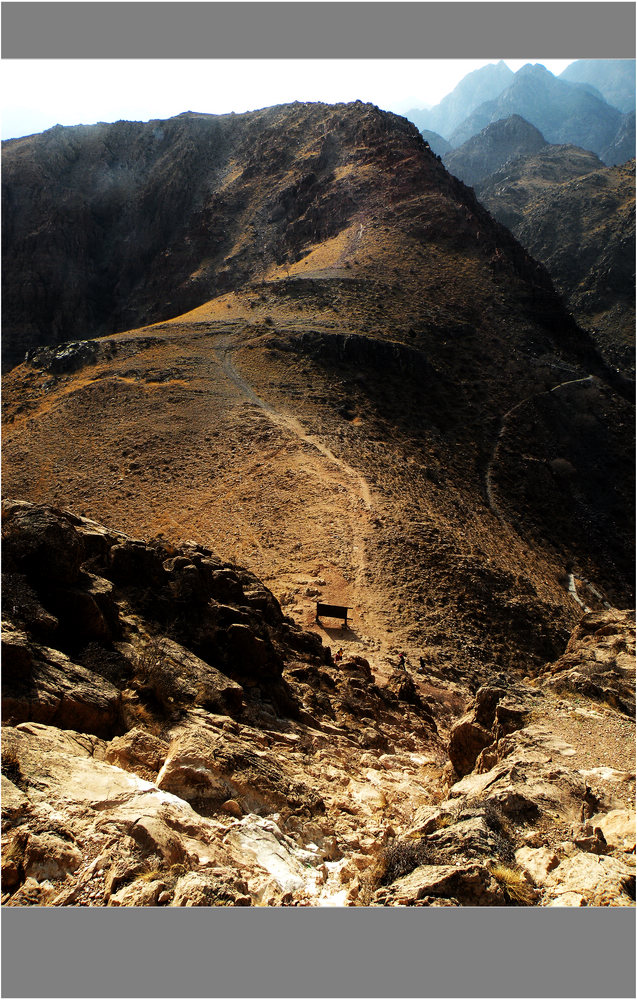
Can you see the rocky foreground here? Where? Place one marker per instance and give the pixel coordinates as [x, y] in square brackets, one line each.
[171, 738]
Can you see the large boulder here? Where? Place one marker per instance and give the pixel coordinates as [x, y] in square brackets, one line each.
[176, 674]
[40, 542]
[467, 885]
[493, 714]
[590, 880]
[466, 740]
[208, 767]
[43, 685]
[137, 751]
[599, 661]
[206, 888]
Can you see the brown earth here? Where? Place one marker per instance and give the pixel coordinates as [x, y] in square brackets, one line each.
[398, 416]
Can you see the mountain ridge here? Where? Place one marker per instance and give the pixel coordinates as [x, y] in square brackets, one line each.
[563, 112]
[374, 398]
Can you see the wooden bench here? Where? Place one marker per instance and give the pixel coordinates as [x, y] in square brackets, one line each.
[332, 611]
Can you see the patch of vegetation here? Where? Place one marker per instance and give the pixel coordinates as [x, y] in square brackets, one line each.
[169, 875]
[108, 663]
[152, 669]
[399, 858]
[516, 888]
[11, 767]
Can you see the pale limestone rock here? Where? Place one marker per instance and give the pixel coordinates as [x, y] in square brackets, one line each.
[568, 899]
[33, 893]
[472, 884]
[590, 838]
[137, 751]
[14, 801]
[138, 893]
[537, 862]
[263, 842]
[211, 888]
[367, 794]
[211, 766]
[599, 880]
[47, 857]
[154, 836]
[618, 827]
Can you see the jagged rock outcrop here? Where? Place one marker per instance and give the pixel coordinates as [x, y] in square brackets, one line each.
[314, 783]
[591, 254]
[108, 602]
[599, 661]
[471, 848]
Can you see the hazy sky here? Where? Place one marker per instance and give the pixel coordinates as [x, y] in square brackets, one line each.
[37, 94]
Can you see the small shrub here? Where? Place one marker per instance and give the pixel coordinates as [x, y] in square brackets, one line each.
[400, 858]
[11, 767]
[151, 668]
[516, 888]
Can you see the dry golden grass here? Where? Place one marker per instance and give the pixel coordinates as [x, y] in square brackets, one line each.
[515, 886]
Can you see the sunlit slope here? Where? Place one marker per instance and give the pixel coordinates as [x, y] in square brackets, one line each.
[377, 399]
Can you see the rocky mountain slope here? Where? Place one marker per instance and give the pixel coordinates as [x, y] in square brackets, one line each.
[437, 144]
[591, 253]
[492, 148]
[563, 112]
[426, 335]
[377, 399]
[170, 738]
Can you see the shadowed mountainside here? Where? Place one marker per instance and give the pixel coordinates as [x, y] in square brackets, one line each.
[591, 253]
[474, 89]
[614, 79]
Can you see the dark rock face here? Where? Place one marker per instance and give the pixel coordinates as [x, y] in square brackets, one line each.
[109, 227]
[591, 254]
[65, 359]
[108, 623]
[436, 142]
[496, 145]
[44, 685]
[494, 713]
[599, 661]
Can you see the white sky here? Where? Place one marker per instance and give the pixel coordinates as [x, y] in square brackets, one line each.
[40, 93]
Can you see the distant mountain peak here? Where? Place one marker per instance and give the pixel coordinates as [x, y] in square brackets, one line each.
[564, 112]
[494, 146]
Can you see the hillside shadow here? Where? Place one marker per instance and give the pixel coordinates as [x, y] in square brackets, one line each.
[339, 633]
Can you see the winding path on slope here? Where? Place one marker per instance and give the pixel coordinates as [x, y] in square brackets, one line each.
[488, 478]
[360, 500]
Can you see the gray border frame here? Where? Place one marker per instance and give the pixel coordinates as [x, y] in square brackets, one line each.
[324, 953]
[308, 30]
